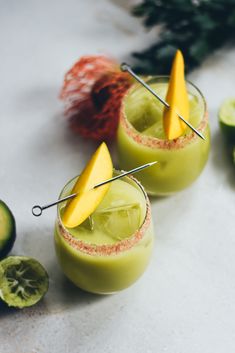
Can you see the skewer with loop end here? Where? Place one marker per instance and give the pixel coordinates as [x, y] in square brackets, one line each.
[37, 209]
[126, 68]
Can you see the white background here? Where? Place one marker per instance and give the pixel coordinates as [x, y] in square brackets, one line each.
[185, 302]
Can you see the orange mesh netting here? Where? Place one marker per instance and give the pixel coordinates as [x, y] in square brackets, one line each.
[92, 92]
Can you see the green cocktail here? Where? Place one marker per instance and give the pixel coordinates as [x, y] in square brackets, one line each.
[111, 249]
[141, 139]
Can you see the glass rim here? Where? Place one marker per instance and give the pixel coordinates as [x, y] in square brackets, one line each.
[155, 142]
[107, 249]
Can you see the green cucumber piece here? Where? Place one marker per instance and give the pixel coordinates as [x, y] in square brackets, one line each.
[7, 229]
[23, 281]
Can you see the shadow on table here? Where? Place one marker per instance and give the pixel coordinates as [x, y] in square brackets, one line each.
[62, 296]
[221, 157]
[65, 296]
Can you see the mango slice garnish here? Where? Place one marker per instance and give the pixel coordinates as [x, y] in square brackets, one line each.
[177, 98]
[98, 169]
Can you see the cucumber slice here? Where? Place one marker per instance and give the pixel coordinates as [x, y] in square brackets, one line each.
[23, 281]
[7, 229]
[227, 119]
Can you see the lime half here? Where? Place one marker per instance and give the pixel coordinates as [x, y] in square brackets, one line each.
[7, 229]
[23, 281]
[227, 119]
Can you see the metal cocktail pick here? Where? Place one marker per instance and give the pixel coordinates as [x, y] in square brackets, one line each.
[126, 68]
[37, 210]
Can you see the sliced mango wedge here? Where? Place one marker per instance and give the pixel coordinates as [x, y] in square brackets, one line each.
[177, 98]
[98, 169]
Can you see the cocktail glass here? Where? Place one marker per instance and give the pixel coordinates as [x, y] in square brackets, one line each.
[105, 255]
[141, 139]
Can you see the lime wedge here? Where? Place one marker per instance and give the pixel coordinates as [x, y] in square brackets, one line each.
[227, 119]
[119, 222]
[23, 281]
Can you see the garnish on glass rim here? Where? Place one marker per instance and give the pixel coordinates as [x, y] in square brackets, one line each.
[126, 68]
[37, 209]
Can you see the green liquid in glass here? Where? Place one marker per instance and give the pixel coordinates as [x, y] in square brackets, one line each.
[120, 214]
[180, 160]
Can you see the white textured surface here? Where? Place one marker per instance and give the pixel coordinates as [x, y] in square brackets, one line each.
[185, 302]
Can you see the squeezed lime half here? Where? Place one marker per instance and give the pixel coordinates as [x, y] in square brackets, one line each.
[23, 281]
[227, 119]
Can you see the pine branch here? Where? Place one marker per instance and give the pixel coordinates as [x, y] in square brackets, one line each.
[197, 27]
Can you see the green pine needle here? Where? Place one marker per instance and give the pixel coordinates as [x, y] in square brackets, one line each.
[197, 27]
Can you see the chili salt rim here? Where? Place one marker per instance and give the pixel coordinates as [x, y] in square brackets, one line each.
[106, 249]
[154, 142]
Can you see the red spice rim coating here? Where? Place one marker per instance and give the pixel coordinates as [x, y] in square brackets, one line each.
[154, 142]
[106, 249]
